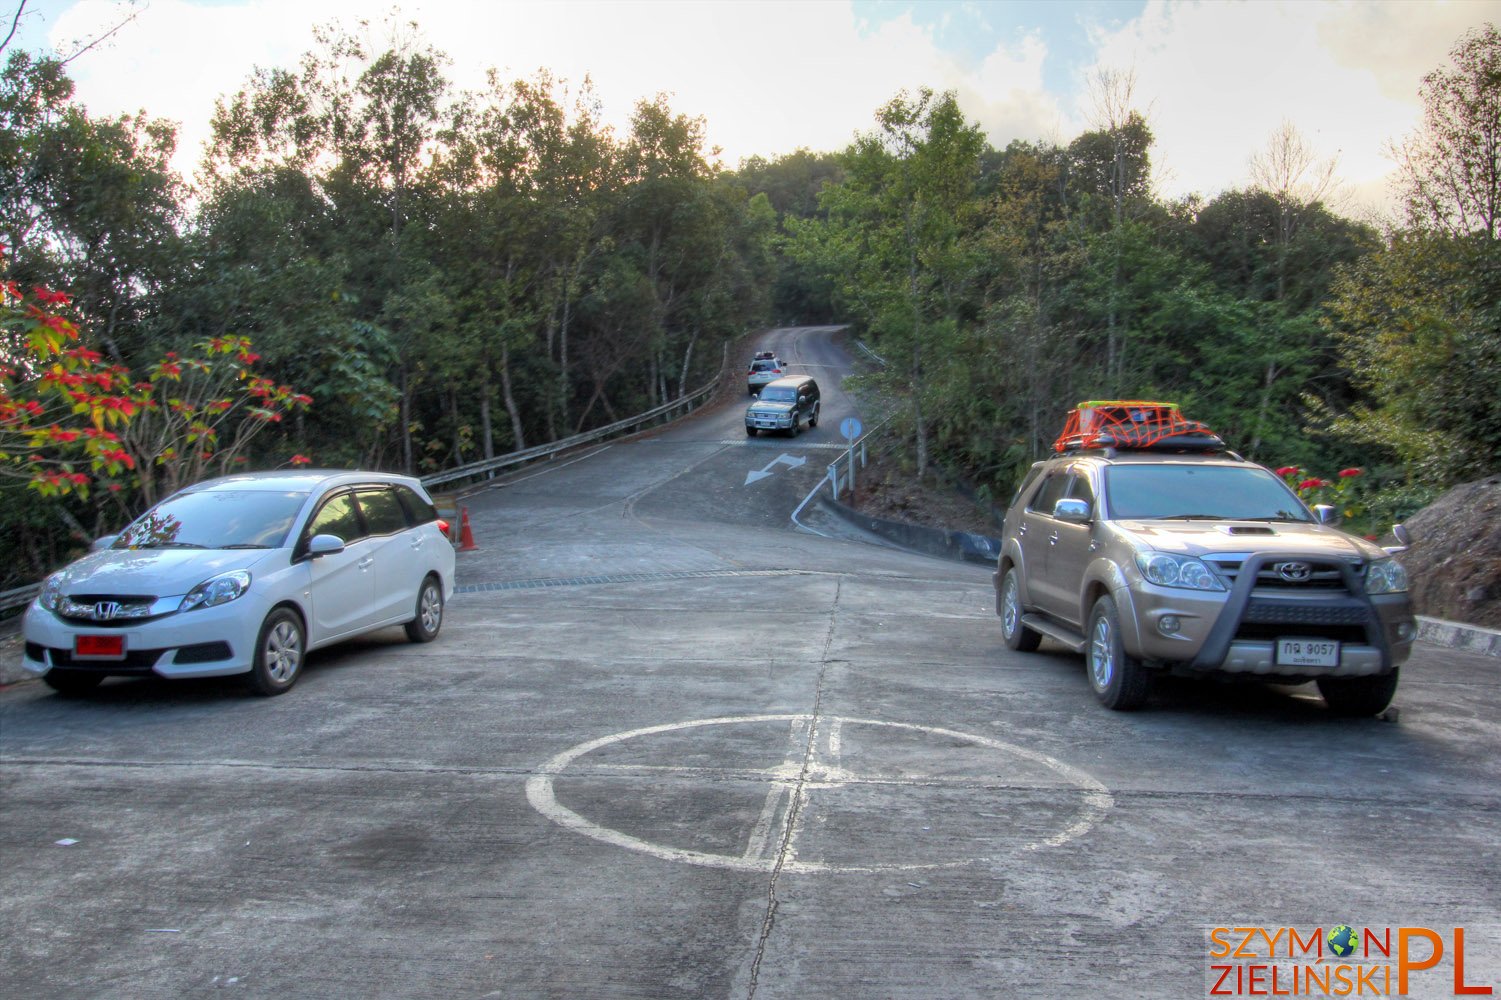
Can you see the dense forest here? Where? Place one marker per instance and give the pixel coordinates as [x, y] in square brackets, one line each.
[374, 269]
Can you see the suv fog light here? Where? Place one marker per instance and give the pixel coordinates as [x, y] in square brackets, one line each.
[1169, 624]
[1406, 631]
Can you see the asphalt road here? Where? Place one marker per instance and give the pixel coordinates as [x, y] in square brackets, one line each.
[668, 747]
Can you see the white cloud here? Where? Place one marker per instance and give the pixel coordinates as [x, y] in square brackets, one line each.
[768, 77]
[1221, 77]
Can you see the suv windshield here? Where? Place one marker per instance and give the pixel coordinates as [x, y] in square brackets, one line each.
[1207, 491]
[215, 519]
[779, 395]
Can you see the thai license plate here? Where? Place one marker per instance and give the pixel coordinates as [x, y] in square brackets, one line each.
[99, 647]
[1308, 652]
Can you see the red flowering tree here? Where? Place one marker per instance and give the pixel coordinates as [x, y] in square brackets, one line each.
[196, 416]
[68, 420]
[61, 407]
[1343, 492]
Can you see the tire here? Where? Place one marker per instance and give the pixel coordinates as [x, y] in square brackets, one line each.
[1017, 635]
[750, 432]
[1357, 697]
[796, 428]
[279, 652]
[71, 682]
[1119, 679]
[813, 417]
[429, 618]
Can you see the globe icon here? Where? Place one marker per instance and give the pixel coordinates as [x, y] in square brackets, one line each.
[1342, 940]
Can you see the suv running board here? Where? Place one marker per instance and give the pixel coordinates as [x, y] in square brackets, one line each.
[1056, 632]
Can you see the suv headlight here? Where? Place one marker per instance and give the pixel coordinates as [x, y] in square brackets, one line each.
[216, 590]
[1168, 570]
[1385, 576]
[51, 592]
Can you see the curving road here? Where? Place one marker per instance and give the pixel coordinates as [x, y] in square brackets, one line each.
[666, 746]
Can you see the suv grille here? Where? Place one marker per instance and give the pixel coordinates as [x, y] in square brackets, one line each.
[1295, 576]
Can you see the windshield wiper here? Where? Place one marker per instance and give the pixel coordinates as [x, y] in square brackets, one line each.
[245, 545]
[171, 545]
[1189, 517]
[1281, 515]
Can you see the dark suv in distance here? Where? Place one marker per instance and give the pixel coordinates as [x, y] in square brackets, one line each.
[1157, 550]
[785, 405]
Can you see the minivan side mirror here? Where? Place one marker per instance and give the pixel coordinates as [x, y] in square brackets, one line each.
[324, 545]
[100, 544]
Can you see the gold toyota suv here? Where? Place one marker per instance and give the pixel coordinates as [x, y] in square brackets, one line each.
[1146, 546]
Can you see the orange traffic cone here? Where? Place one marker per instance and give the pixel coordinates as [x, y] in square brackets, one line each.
[466, 534]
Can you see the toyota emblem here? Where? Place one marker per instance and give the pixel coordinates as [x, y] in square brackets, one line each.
[1295, 572]
[106, 610]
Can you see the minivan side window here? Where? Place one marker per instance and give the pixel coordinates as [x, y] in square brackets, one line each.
[383, 512]
[419, 511]
[338, 516]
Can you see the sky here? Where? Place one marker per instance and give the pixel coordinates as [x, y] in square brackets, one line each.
[1214, 78]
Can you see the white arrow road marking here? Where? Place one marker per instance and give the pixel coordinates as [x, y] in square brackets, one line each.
[768, 468]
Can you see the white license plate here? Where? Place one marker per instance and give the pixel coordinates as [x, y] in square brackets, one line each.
[1308, 652]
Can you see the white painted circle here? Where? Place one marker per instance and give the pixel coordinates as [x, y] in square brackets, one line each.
[800, 780]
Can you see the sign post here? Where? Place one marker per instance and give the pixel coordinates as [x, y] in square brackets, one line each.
[850, 428]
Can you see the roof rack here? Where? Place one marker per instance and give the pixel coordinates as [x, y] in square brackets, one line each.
[1130, 424]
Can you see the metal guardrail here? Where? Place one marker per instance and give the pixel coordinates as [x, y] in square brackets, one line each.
[487, 466]
[19, 596]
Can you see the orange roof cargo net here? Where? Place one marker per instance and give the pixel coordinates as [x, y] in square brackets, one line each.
[1133, 424]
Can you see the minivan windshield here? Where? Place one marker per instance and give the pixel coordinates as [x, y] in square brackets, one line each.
[215, 519]
[1211, 492]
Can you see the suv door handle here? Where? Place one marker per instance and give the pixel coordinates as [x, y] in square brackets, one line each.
[1021, 529]
[1053, 538]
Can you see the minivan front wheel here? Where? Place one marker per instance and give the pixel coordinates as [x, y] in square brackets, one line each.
[1118, 678]
[278, 653]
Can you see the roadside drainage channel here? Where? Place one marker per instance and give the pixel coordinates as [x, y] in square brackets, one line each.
[964, 546]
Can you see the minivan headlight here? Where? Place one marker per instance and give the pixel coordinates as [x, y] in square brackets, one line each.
[1385, 576]
[51, 592]
[1167, 570]
[216, 590]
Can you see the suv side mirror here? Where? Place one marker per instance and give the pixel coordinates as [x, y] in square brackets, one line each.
[1072, 511]
[1326, 513]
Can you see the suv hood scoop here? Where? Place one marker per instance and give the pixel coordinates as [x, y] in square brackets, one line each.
[1248, 529]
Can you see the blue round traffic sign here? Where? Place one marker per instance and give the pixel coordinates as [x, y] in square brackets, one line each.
[850, 428]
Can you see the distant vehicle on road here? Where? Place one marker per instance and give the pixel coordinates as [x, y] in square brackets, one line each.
[245, 575]
[1148, 547]
[785, 405]
[766, 367]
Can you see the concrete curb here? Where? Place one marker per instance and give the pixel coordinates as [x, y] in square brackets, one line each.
[1454, 635]
[967, 547]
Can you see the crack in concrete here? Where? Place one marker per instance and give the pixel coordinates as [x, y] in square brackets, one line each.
[795, 802]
